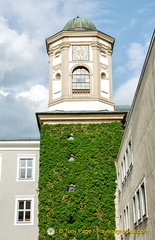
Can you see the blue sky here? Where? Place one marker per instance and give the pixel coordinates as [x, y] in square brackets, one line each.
[24, 26]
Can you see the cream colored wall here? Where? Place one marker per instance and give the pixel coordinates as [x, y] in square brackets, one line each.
[141, 130]
[60, 90]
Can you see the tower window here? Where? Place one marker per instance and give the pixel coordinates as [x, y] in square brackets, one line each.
[81, 79]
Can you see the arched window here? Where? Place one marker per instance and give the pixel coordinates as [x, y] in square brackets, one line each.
[81, 79]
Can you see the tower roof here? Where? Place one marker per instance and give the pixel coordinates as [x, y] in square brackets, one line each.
[79, 24]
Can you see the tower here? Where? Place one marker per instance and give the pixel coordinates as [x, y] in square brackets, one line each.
[80, 136]
[80, 68]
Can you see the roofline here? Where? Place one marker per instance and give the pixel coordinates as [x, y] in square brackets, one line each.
[104, 113]
[68, 33]
[16, 145]
[20, 139]
[138, 87]
[142, 73]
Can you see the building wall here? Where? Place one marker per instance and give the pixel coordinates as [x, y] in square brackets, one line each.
[11, 189]
[140, 133]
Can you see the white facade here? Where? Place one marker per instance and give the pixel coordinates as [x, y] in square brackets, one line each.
[19, 160]
[89, 53]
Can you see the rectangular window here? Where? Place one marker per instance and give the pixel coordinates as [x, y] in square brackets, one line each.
[129, 154]
[126, 163]
[24, 211]
[143, 200]
[126, 218]
[119, 181]
[139, 204]
[26, 167]
[134, 210]
[122, 168]
[121, 224]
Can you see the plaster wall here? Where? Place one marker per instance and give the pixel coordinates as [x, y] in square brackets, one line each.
[141, 130]
[10, 188]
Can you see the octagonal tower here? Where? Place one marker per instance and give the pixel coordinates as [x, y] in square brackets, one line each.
[80, 68]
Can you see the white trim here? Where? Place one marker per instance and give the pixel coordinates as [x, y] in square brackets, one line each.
[126, 220]
[33, 156]
[1, 156]
[14, 145]
[13, 142]
[24, 198]
[17, 149]
[127, 161]
[140, 205]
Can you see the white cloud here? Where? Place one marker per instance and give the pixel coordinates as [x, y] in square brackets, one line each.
[146, 8]
[37, 97]
[18, 118]
[35, 94]
[125, 93]
[4, 94]
[22, 62]
[136, 54]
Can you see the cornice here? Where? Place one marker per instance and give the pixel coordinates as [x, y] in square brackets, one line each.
[19, 145]
[79, 117]
[63, 34]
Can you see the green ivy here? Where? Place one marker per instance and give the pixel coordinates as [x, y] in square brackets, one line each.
[87, 211]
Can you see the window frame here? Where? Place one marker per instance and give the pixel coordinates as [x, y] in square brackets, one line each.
[126, 220]
[139, 201]
[127, 162]
[26, 157]
[80, 82]
[24, 198]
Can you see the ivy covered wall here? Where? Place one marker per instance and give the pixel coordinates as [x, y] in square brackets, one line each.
[88, 210]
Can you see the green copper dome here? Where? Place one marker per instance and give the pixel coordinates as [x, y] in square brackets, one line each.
[78, 24]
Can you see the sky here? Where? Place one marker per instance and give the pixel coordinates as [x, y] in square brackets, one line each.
[24, 73]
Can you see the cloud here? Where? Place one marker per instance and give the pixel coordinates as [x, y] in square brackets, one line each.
[136, 54]
[146, 8]
[37, 95]
[22, 63]
[4, 94]
[125, 93]
[18, 118]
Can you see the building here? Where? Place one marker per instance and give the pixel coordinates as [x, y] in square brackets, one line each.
[19, 161]
[81, 135]
[77, 196]
[135, 163]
